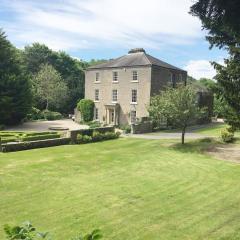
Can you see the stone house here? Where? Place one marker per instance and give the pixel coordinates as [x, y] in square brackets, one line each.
[121, 88]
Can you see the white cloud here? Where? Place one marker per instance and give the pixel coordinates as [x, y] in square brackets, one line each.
[71, 24]
[201, 69]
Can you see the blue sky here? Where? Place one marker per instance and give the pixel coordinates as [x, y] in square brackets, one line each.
[106, 29]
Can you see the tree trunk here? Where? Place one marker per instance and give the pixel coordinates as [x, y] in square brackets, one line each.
[183, 134]
[47, 105]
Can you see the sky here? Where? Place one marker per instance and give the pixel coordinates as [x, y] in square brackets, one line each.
[104, 29]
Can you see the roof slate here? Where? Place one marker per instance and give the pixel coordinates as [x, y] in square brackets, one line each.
[134, 60]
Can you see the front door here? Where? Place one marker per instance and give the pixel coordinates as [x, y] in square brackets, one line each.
[111, 117]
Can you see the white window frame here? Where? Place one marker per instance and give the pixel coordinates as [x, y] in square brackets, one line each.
[96, 95]
[115, 76]
[97, 77]
[133, 116]
[114, 95]
[134, 98]
[134, 76]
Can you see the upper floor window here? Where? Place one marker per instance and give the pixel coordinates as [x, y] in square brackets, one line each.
[134, 75]
[134, 95]
[115, 76]
[114, 95]
[97, 77]
[96, 94]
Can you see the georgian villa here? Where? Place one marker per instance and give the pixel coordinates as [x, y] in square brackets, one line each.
[121, 88]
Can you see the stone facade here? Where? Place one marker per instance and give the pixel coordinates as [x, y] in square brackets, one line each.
[142, 80]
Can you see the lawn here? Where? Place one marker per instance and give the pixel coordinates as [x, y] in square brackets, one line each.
[129, 188]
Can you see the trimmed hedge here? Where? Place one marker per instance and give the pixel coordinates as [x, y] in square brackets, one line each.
[12, 147]
[89, 132]
[97, 137]
[40, 137]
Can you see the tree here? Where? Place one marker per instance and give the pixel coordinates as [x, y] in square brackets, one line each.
[49, 86]
[221, 19]
[86, 107]
[70, 69]
[178, 105]
[15, 89]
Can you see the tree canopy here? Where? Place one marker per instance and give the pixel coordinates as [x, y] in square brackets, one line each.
[178, 105]
[70, 69]
[221, 19]
[15, 89]
[49, 87]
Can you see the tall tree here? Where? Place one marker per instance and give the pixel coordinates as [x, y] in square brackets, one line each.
[177, 105]
[70, 69]
[50, 87]
[221, 19]
[15, 89]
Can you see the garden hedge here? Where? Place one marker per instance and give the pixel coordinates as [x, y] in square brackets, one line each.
[12, 147]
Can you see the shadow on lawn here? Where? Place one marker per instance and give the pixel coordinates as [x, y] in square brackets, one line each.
[197, 146]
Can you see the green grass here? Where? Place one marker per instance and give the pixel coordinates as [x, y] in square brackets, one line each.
[211, 130]
[129, 188]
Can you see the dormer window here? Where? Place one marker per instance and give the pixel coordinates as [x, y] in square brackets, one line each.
[97, 77]
[115, 76]
[134, 76]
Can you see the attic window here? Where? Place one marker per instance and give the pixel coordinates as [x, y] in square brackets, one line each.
[97, 77]
[115, 76]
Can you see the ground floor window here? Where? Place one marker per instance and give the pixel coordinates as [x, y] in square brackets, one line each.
[96, 114]
[133, 115]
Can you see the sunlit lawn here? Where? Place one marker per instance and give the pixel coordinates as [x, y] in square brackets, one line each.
[129, 188]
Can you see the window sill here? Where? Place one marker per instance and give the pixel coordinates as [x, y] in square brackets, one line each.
[115, 81]
[96, 101]
[97, 82]
[134, 81]
[133, 103]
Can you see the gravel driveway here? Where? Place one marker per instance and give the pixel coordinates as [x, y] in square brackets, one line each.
[44, 125]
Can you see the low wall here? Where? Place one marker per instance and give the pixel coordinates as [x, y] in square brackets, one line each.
[73, 133]
[19, 146]
[144, 127]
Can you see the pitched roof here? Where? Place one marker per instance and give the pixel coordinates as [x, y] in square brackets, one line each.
[135, 57]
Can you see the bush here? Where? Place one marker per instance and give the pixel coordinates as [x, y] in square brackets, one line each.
[2, 127]
[126, 128]
[227, 136]
[28, 232]
[94, 124]
[26, 138]
[97, 136]
[86, 107]
[49, 115]
[35, 114]
[83, 138]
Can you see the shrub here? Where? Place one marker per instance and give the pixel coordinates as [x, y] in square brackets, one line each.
[227, 136]
[111, 135]
[35, 114]
[86, 107]
[126, 128]
[28, 232]
[2, 127]
[83, 138]
[94, 124]
[49, 115]
[26, 138]
[97, 136]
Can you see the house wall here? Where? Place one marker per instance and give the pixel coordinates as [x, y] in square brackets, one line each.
[124, 87]
[161, 77]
